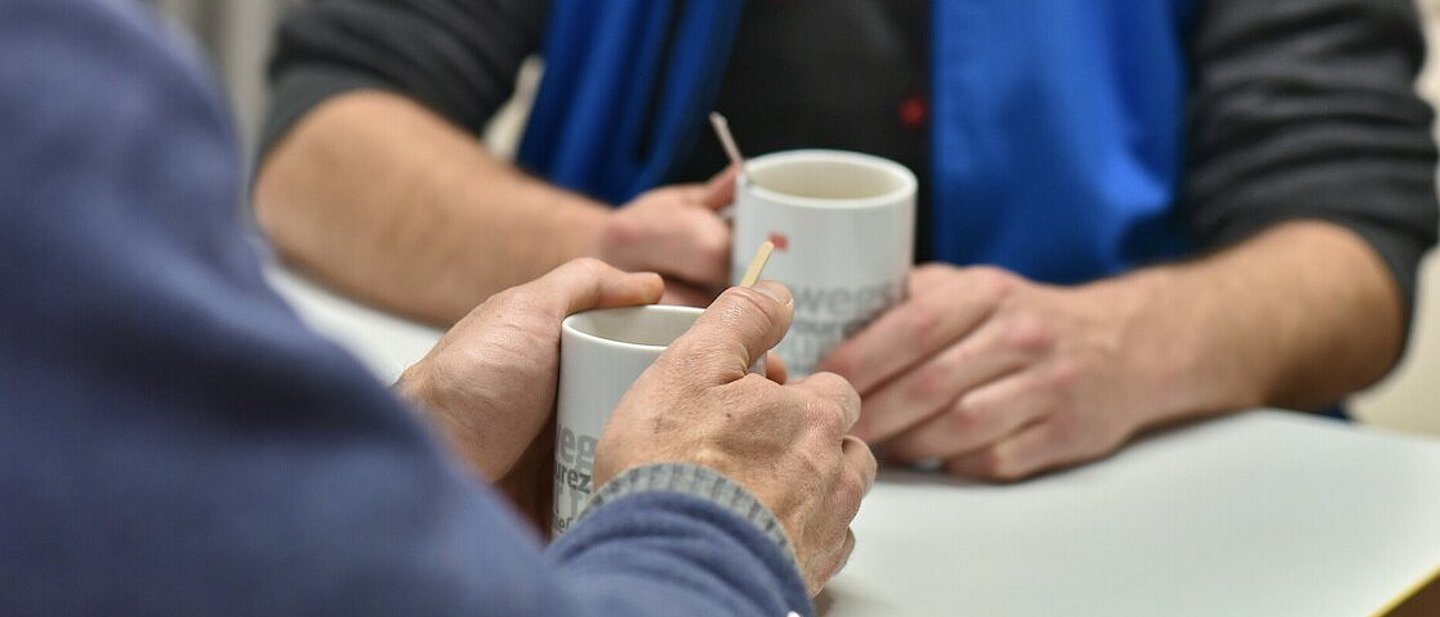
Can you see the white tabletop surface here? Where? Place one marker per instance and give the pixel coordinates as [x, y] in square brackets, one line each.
[1264, 513]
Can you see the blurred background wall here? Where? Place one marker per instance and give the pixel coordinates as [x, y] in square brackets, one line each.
[238, 35]
[1410, 398]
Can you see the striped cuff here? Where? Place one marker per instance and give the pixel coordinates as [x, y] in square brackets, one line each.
[697, 481]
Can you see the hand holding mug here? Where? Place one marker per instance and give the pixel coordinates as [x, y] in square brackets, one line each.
[1000, 377]
[489, 384]
[699, 403]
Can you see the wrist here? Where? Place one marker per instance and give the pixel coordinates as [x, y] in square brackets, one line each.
[411, 388]
[696, 481]
[570, 224]
[1176, 349]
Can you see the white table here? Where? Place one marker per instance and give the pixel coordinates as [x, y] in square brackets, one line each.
[1266, 513]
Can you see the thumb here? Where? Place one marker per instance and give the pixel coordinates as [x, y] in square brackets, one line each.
[720, 190]
[735, 331]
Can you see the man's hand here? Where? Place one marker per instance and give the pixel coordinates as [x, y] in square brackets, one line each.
[786, 444]
[676, 231]
[997, 376]
[489, 384]
[1002, 378]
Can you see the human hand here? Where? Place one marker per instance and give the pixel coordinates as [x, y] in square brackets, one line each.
[786, 444]
[676, 231]
[489, 384]
[1000, 377]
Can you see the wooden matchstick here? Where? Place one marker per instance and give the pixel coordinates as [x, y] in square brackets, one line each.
[757, 264]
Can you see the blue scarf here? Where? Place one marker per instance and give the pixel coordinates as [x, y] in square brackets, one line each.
[1058, 124]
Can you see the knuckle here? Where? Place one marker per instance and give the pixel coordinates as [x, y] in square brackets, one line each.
[966, 416]
[510, 302]
[590, 265]
[993, 284]
[1064, 375]
[814, 461]
[828, 417]
[1029, 333]
[839, 386]
[932, 382]
[851, 491]
[590, 272]
[712, 243]
[621, 230]
[839, 391]
[928, 278]
[923, 321]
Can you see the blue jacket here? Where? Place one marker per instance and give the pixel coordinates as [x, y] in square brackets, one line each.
[174, 442]
[1058, 125]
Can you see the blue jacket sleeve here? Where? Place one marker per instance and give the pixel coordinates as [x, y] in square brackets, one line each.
[174, 442]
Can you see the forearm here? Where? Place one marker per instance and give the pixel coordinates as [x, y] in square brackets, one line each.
[384, 200]
[1298, 316]
[1307, 111]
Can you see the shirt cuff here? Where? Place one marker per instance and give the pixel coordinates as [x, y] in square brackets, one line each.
[696, 481]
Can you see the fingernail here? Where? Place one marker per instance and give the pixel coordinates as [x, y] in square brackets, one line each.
[775, 290]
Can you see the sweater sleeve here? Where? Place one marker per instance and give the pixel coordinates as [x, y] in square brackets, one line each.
[667, 540]
[175, 442]
[1306, 109]
[457, 57]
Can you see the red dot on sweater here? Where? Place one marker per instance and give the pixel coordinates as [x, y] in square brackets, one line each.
[914, 111]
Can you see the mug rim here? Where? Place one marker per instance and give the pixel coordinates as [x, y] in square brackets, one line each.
[567, 326]
[908, 183]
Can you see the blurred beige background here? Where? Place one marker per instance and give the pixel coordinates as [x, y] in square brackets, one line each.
[238, 34]
[1410, 398]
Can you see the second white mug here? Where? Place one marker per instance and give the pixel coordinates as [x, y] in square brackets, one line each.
[843, 225]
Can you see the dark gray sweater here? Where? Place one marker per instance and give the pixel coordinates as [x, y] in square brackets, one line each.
[1299, 108]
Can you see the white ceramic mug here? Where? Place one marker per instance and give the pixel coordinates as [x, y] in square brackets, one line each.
[602, 353]
[843, 225]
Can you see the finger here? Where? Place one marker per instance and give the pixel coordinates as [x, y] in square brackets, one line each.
[587, 283]
[720, 190]
[847, 552]
[692, 193]
[834, 388]
[836, 561]
[928, 389]
[1027, 453]
[934, 317]
[684, 294]
[672, 234]
[980, 418]
[735, 331]
[859, 457]
[700, 254]
[694, 245]
[775, 368]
